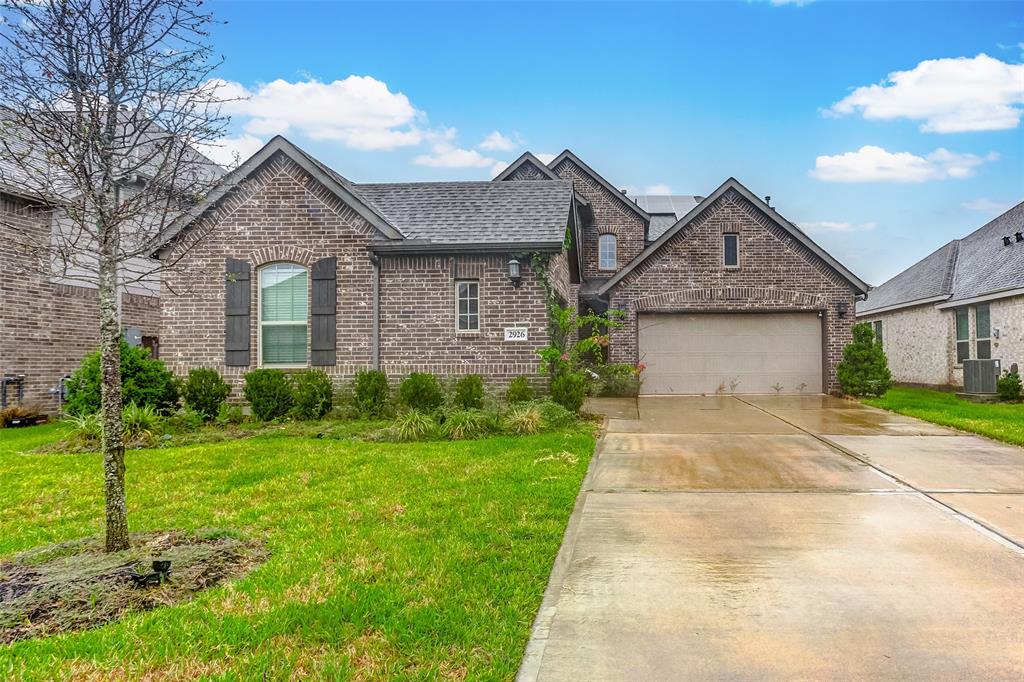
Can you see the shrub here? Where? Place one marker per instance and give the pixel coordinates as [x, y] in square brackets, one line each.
[469, 392]
[569, 389]
[618, 380]
[462, 424]
[524, 419]
[186, 419]
[205, 391]
[86, 428]
[519, 391]
[1009, 386]
[414, 425]
[229, 414]
[554, 416]
[138, 421]
[864, 369]
[371, 392]
[144, 381]
[313, 397]
[421, 391]
[269, 393]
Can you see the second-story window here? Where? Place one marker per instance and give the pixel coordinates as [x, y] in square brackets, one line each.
[731, 250]
[607, 258]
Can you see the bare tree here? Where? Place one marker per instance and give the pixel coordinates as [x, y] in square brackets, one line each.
[105, 103]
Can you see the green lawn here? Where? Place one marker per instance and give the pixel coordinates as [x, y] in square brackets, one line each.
[408, 561]
[1002, 421]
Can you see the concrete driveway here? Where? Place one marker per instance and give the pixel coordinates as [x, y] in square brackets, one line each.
[786, 537]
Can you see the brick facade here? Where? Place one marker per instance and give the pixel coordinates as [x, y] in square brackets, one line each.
[47, 327]
[611, 216]
[920, 341]
[282, 214]
[776, 273]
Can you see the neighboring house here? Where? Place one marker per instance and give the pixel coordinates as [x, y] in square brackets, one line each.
[297, 266]
[964, 301]
[49, 314]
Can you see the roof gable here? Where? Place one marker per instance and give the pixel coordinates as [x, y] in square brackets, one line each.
[734, 185]
[569, 156]
[985, 264]
[334, 182]
[526, 163]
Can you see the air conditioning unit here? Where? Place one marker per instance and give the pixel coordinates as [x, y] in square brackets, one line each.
[980, 376]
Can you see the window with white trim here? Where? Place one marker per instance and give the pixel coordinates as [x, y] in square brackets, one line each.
[963, 336]
[284, 314]
[731, 250]
[983, 331]
[467, 305]
[607, 258]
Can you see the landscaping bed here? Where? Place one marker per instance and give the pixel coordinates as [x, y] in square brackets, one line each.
[1000, 421]
[75, 585]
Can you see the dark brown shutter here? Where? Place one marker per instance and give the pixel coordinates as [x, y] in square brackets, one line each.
[236, 314]
[323, 318]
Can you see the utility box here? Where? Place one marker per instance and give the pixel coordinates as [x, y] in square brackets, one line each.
[980, 376]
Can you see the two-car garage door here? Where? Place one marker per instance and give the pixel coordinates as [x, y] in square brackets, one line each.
[730, 353]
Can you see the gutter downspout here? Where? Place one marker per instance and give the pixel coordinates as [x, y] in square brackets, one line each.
[375, 327]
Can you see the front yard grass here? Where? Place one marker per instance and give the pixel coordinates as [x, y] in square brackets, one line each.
[407, 561]
[1001, 421]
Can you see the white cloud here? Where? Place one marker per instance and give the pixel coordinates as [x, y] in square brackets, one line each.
[361, 112]
[498, 167]
[832, 226]
[874, 164]
[658, 189]
[545, 158]
[496, 142]
[230, 151]
[988, 206]
[948, 95]
[447, 155]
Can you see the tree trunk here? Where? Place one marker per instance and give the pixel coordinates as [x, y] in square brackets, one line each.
[110, 368]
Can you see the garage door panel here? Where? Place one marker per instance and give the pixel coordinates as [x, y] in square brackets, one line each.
[740, 352]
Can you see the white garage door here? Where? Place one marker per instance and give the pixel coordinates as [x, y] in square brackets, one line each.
[731, 353]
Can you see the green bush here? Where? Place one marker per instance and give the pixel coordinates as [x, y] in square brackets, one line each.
[554, 416]
[186, 419]
[269, 393]
[864, 369]
[414, 425]
[469, 392]
[569, 389]
[618, 380]
[519, 391]
[524, 419]
[1008, 386]
[371, 392]
[462, 424]
[229, 414]
[139, 421]
[144, 381]
[313, 394]
[421, 391]
[205, 391]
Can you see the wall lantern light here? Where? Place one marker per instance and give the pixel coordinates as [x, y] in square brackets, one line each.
[843, 309]
[514, 273]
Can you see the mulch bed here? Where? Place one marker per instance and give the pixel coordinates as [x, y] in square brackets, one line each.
[76, 585]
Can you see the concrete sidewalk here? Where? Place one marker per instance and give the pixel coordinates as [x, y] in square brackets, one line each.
[787, 537]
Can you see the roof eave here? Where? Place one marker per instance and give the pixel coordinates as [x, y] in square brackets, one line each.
[981, 298]
[900, 306]
[412, 246]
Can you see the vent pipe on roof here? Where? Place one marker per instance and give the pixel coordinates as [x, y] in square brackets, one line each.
[1006, 241]
[623, 190]
[1019, 236]
[768, 200]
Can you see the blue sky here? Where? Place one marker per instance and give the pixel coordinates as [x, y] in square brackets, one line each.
[662, 95]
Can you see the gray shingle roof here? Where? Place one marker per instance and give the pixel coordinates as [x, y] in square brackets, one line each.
[475, 212]
[977, 265]
[985, 265]
[665, 210]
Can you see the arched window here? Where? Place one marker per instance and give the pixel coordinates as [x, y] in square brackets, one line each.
[606, 257]
[284, 319]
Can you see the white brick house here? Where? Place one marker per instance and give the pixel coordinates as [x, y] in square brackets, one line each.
[964, 301]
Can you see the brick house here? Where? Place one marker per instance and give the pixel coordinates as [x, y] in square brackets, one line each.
[289, 264]
[48, 323]
[963, 301]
